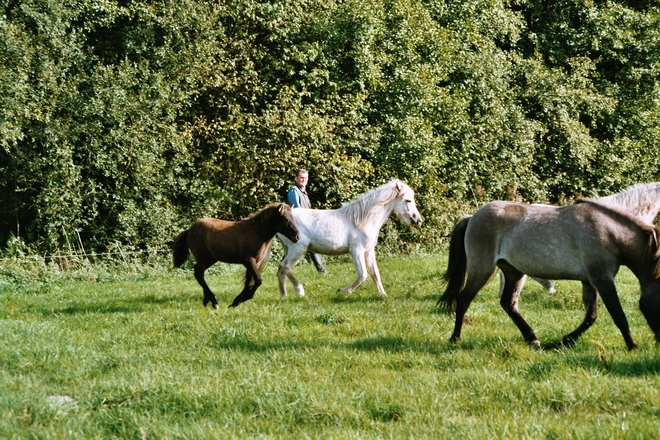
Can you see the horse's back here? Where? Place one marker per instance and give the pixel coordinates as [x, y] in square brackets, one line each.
[324, 231]
[539, 240]
[221, 240]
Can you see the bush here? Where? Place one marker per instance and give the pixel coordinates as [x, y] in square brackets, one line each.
[123, 122]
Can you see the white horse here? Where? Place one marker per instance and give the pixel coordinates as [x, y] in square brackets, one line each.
[353, 229]
[641, 200]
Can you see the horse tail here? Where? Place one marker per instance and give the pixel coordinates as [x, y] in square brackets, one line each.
[180, 249]
[456, 272]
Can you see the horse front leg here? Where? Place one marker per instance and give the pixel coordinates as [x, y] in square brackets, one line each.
[649, 305]
[610, 298]
[284, 271]
[372, 267]
[590, 301]
[514, 281]
[360, 267]
[253, 280]
[209, 297]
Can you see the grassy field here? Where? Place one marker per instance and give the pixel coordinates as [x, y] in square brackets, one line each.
[135, 355]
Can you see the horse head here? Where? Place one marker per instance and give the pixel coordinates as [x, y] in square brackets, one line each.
[404, 205]
[285, 224]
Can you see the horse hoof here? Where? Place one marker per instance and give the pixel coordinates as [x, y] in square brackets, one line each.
[536, 344]
[216, 306]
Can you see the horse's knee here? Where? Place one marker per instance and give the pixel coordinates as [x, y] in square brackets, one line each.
[507, 304]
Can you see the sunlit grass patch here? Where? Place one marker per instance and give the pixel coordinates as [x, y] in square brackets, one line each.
[138, 356]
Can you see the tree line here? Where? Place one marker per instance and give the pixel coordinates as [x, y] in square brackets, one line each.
[125, 121]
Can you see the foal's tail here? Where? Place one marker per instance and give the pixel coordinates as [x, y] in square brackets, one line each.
[456, 266]
[180, 249]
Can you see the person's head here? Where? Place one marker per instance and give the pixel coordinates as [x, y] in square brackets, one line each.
[302, 177]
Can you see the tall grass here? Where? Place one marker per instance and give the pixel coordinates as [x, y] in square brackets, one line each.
[122, 352]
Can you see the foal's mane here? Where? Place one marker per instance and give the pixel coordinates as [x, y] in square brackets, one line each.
[361, 210]
[641, 200]
[267, 211]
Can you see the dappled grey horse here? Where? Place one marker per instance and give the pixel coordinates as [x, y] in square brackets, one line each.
[641, 200]
[586, 241]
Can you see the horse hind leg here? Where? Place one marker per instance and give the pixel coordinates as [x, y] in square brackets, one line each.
[282, 274]
[285, 271]
[475, 282]
[513, 281]
[209, 297]
[546, 284]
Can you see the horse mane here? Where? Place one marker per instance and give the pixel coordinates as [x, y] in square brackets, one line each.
[361, 210]
[654, 233]
[266, 211]
[618, 214]
[641, 200]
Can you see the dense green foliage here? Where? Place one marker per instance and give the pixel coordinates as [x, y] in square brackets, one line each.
[132, 354]
[123, 121]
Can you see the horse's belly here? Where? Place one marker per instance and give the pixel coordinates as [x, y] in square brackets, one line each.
[329, 248]
[547, 266]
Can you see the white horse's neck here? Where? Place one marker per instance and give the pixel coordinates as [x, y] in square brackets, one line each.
[370, 211]
[641, 200]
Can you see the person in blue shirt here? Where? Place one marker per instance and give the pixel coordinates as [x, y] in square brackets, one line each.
[297, 197]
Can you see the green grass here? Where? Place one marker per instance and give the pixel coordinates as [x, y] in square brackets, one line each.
[136, 355]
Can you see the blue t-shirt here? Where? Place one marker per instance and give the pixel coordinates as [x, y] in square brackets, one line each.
[298, 198]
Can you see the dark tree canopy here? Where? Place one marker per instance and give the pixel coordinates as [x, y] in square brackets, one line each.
[127, 120]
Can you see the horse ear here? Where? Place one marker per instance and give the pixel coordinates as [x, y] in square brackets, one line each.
[399, 187]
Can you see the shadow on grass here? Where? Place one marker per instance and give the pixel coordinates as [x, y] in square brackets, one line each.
[129, 305]
[635, 368]
[609, 364]
[353, 298]
[371, 344]
[396, 344]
